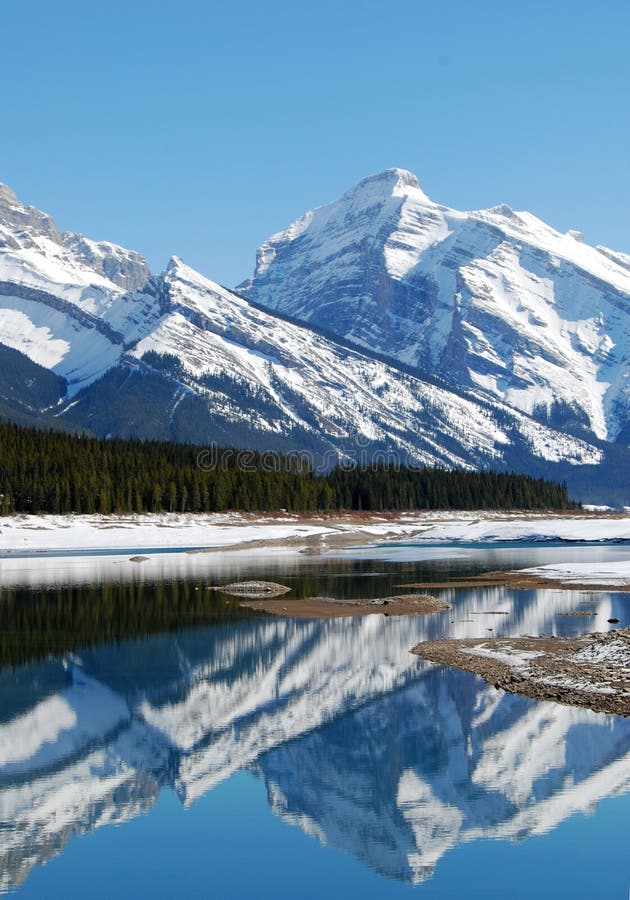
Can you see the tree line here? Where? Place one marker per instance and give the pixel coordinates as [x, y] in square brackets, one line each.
[54, 472]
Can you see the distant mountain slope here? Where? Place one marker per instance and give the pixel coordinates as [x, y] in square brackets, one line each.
[492, 299]
[56, 305]
[179, 357]
[267, 381]
[28, 387]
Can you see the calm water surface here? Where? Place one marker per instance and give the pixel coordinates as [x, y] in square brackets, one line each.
[158, 741]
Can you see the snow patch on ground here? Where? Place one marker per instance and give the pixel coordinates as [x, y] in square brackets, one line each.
[615, 573]
[516, 659]
[27, 533]
[222, 530]
[494, 527]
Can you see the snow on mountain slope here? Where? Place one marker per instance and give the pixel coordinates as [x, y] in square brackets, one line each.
[303, 379]
[493, 299]
[55, 339]
[63, 298]
[178, 356]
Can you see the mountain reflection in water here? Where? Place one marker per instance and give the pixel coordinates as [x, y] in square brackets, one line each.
[360, 744]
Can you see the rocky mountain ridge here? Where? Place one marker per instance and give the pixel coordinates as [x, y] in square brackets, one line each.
[494, 299]
[111, 348]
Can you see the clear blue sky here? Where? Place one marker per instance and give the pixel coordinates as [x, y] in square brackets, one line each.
[198, 129]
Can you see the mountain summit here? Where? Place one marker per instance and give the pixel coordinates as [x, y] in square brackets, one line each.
[492, 300]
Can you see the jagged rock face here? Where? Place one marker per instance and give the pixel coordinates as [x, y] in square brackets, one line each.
[491, 299]
[126, 268]
[27, 228]
[19, 223]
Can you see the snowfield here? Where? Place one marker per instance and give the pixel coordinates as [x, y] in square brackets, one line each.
[490, 527]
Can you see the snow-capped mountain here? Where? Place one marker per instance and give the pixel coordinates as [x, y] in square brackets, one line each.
[57, 304]
[90, 339]
[494, 300]
[360, 744]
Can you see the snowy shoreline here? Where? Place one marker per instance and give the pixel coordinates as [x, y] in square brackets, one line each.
[48, 549]
[46, 533]
[186, 531]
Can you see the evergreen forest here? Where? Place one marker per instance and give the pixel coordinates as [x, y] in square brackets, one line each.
[53, 472]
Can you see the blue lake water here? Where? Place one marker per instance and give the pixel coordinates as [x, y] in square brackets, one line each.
[217, 753]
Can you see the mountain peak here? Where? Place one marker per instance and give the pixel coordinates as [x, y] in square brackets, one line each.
[174, 263]
[466, 295]
[7, 197]
[502, 209]
[390, 182]
[395, 176]
[30, 221]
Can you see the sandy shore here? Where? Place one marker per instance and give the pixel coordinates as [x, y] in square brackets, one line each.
[591, 671]
[330, 608]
